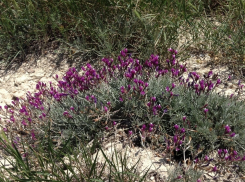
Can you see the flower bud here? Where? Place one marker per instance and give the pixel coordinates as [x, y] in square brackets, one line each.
[206, 158]
[214, 169]
[175, 138]
[108, 103]
[205, 110]
[150, 129]
[176, 127]
[182, 130]
[151, 125]
[227, 129]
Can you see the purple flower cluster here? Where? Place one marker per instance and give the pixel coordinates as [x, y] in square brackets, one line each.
[146, 129]
[225, 159]
[153, 106]
[202, 85]
[232, 156]
[19, 116]
[73, 83]
[177, 139]
[67, 114]
[27, 113]
[152, 62]
[33, 108]
[139, 87]
[228, 131]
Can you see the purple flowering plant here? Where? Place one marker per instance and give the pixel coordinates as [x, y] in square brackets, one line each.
[154, 99]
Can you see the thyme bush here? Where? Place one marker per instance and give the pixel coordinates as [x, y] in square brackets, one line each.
[157, 106]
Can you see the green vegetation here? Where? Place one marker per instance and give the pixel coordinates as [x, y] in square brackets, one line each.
[103, 27]
[149, 100]
[153, 107]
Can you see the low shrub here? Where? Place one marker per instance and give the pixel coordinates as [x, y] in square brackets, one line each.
[157, 105]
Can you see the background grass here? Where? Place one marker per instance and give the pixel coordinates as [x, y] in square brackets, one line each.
[103, 27]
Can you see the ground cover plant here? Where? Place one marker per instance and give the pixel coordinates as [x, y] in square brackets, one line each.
[159, 106]
[179, 117]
